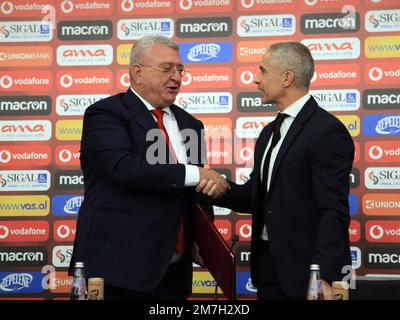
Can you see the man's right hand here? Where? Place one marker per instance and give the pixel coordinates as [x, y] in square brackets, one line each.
[212, 183]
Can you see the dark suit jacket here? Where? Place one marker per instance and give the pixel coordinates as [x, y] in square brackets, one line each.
[129, 220]
[306, 209]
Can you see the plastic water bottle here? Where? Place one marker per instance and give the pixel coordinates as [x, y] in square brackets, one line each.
[315, 291]
[78, 290]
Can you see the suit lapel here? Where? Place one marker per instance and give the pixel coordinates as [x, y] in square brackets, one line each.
[294, 130]
[138, 111]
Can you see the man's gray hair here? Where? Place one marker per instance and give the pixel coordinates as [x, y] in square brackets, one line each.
[296, 57]
[143, 46]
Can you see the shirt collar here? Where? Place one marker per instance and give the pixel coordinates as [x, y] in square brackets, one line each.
[167, 110]
[296, 106]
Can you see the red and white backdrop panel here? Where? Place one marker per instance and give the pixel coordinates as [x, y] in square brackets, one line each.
[58, 57]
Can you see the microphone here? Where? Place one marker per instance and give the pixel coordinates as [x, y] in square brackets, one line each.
[234, 241]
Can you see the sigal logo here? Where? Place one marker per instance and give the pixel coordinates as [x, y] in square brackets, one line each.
[68, 155]
[381, 125]
[382, 151]
[85, 8]
[355, 257]
[250, 127]
[333, 48]
[337, 100]
[242, 175]
[243, 230]
[76, 104]
[132, 7]
[64, 230]
[205, 102]
[26, 56]
[21, 155]
[382, 231]
[24, 231]
[201, 6]
[85, 30]
[61, 256]
[382, 178]
[202, 78]
[336, 75]
[266, 25]
[26, 31]
[382, 20]
[382, 73]
[131, 29]
[354, 231]
[381, 204]
[66, 205]
[204, 27]
[24, 180]
[206, 52]
[15, 81]
[84, 80]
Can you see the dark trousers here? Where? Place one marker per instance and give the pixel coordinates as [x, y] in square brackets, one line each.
[171, 287]
[268, 284]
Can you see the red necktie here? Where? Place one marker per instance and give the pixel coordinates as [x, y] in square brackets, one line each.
[159, 113]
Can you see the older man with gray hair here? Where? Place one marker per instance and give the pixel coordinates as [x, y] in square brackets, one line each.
[135, 225]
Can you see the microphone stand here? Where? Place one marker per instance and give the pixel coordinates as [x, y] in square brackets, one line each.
[234, 241]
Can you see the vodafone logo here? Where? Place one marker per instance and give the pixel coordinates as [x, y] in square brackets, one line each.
[67, 6]
[187, 79]
[6, 82]
[5, 156]
[127, 5]
[65, 155]
[245, 231]
[375, 152]
[246, 153]
[376, 232]
[247, 77]
[63, 231]
[185, 4]
[6, 7]
[375, 74]
[125, 81]
[247, 3]
[66, 81]
[4, 232]
[311, 2]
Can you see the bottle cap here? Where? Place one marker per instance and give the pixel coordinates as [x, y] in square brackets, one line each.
[314, 267]
[79, 265]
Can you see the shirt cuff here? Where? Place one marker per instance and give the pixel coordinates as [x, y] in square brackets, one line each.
[192, 175]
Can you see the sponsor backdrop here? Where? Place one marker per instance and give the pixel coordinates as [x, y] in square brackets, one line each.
[58, 57]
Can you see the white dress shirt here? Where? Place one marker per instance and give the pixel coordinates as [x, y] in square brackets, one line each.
[292, 112]
[192, 175]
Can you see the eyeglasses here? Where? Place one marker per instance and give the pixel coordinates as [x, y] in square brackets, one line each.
[168, 69]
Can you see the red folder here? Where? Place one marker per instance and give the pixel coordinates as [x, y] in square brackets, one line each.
[216, 255]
